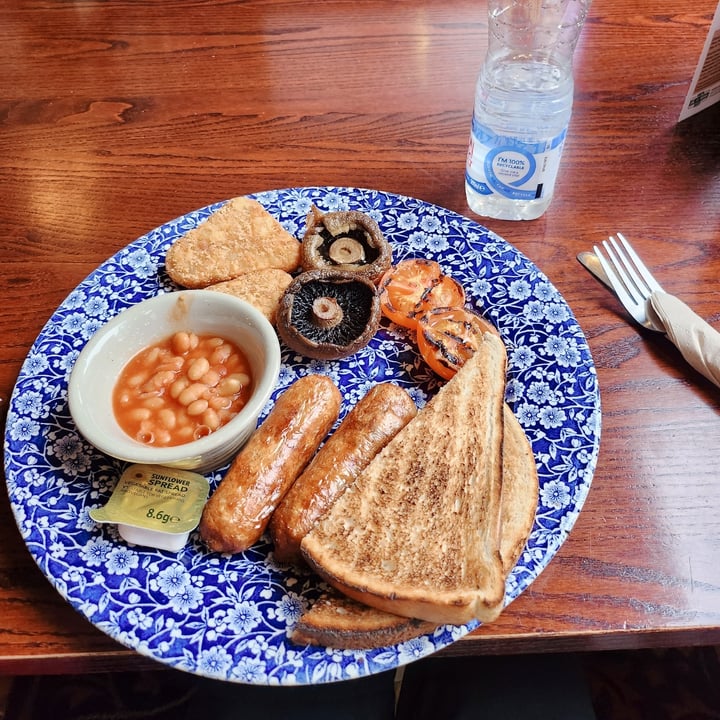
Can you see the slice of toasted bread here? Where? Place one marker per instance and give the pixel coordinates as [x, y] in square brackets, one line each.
[262, 289]
[240, 237]
[519, 492]
[338, 621]
[418, 533]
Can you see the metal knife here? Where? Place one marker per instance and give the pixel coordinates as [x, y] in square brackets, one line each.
[590, 262]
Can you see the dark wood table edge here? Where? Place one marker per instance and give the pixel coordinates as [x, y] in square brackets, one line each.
[596, 641]
[127, 660]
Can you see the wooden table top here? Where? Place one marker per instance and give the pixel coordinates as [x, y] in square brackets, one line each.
[117, 117]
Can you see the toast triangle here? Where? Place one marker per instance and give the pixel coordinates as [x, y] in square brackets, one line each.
[418, 533]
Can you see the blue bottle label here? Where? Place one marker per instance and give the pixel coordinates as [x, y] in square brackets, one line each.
[497, 164]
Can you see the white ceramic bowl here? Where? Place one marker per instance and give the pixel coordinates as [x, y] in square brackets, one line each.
[203, 312]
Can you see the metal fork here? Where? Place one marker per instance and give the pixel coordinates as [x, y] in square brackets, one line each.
[631, 281]
[653, 308]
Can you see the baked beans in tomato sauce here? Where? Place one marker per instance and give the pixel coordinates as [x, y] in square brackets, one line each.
[181, 389]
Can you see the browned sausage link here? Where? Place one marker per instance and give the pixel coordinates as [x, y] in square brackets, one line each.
[239, 510]
[368, 427]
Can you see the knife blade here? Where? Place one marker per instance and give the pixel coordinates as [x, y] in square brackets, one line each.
[590, 262]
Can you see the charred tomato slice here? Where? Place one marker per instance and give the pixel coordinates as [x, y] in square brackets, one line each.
[414, 286]
[448, 336]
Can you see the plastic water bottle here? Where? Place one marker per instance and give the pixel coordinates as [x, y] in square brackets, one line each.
[523, 103]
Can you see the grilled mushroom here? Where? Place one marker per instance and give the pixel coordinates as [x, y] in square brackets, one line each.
[328, 314]
[345, 240]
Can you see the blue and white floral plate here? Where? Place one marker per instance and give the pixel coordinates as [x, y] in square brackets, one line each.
[228, 617]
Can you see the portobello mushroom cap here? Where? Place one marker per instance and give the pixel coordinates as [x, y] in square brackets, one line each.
[328, 314]
[345, 240]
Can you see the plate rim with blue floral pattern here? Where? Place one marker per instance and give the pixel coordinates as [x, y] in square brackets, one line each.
[229, 617]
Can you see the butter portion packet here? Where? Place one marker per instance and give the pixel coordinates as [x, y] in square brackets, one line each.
[155, 506]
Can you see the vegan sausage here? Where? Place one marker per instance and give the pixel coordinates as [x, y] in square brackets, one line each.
[367, 428]
[239, 510]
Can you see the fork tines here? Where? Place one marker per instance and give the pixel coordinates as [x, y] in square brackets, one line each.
[628, 268]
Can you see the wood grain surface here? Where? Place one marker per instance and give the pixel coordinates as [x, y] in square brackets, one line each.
[117, 117]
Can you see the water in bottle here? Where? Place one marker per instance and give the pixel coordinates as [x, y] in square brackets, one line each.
[523, 103]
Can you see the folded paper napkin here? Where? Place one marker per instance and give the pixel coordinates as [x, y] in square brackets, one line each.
[698, 341]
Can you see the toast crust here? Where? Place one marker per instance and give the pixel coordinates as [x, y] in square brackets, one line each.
[418, 533]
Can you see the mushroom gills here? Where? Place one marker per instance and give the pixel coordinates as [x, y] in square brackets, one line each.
[332, 313]
[352, 245]
[347, 240]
